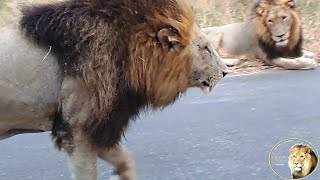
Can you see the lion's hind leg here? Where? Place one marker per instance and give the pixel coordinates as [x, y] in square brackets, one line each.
[215, 36]
[121, 159]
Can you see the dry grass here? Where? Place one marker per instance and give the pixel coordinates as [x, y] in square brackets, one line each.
[9, 9]
[219, 12]
[212, 13]
[208, 12]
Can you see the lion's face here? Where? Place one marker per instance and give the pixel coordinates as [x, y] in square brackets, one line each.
[300, 158]
[170, 55]
[279, 22]
[207, 68]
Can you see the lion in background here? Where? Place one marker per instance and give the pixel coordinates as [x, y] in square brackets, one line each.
[302, 161]
[273, 33]
[83, 69]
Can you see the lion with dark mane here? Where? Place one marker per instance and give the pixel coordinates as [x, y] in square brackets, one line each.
[84, 68]
[272, 33]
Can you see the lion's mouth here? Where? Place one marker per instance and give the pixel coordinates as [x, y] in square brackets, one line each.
[297, 169]
[206, 86]
[282, 42]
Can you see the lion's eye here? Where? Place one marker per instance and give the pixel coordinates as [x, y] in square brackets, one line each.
[284, 17]
[301, 156]
[270, 21]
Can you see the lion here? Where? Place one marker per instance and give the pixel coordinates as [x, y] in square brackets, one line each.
[273, 33]
[302, 161]
[83, 69]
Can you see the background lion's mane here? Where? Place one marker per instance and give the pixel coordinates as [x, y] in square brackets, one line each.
[113, 48]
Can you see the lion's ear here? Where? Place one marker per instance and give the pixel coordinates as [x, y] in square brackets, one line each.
[169, 38]
[291, 150]
[291, 3]
[262, 9]
[308, 151]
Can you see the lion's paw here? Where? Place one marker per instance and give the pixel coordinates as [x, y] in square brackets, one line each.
[308, 54]
[114, 177]
[231, 62]
[307, 63]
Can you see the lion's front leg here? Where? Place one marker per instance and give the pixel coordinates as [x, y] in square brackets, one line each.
[68, 132]
[82, 158]
[121, 159]
[231, 61]
[295, 63]
[308, 54]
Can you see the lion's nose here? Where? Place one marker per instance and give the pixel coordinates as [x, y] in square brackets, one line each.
[296, 163]
[224, 74]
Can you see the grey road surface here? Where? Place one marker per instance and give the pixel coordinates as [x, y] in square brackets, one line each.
[225, 135]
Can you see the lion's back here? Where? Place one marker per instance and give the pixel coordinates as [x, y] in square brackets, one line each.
[235, 39]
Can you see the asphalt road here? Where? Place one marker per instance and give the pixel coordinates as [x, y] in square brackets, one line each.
[226, 134]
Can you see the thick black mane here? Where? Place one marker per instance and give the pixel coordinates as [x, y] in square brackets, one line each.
[272, 52]
[92, 40]
[48, 26]
[59, 26]
[64, 27]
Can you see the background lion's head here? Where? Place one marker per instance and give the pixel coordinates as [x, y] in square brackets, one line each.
[277, 22]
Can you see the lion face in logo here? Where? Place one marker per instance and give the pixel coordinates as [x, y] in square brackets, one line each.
[302, 161]
[298, 159]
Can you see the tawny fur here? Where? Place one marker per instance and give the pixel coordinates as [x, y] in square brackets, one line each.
[111, 59]
[132, 71]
